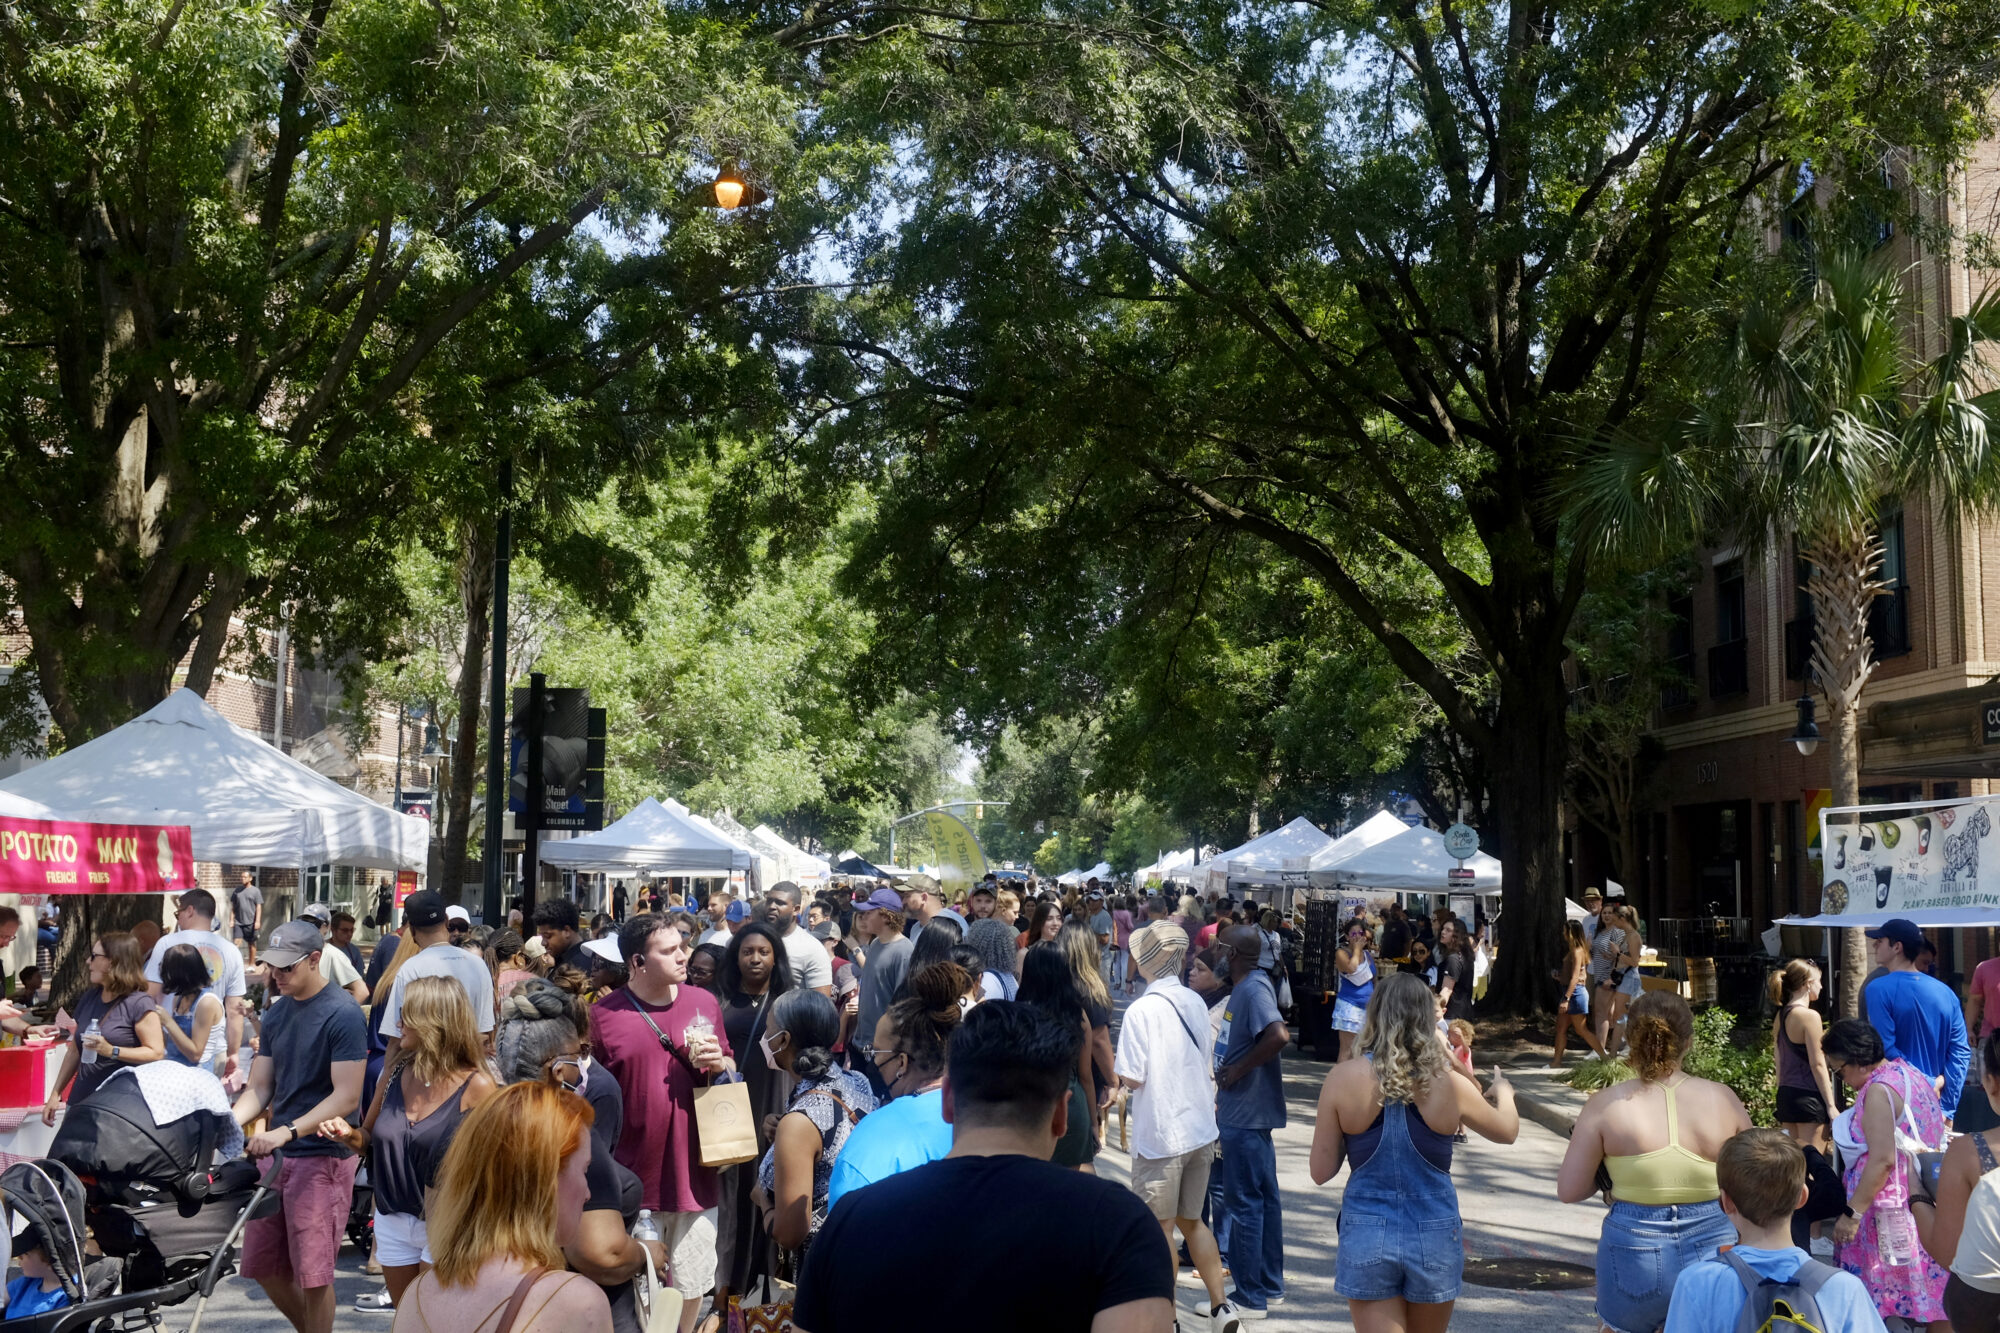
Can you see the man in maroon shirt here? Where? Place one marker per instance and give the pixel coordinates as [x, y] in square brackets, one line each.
[661, 1039]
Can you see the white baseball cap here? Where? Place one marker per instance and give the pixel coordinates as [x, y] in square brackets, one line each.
[457, 913]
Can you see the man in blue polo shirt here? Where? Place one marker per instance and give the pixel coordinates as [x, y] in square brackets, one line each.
[1917, 1016]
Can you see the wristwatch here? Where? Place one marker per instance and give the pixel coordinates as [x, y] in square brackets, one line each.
[294, 1127]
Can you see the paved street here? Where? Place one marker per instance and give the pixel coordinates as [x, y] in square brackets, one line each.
[1507, 1196]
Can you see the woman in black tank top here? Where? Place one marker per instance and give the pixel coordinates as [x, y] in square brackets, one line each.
[439, 1076]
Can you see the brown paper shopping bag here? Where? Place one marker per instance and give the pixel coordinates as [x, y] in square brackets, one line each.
[725, 1124]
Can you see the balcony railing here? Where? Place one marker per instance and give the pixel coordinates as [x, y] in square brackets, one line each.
[1678, 692]
[1729, 669]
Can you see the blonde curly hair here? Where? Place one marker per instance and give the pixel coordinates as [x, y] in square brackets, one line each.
[1399, 1034]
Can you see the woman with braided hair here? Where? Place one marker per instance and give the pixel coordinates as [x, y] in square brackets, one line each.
[539, 1040]
[827, 1103]
[909, 1044]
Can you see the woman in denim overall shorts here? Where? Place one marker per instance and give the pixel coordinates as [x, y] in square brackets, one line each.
[1391, 1116]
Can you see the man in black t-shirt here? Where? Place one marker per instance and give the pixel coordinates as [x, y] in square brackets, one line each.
[1082, 1247]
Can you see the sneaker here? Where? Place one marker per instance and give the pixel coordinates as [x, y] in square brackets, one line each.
[1235, 1308]
[375, 1302]
[1225, 1319]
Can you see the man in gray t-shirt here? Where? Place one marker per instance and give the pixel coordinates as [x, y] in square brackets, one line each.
[424, 915]
[888, 958]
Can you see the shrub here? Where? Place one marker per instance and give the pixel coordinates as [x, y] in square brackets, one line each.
[1748, 1067]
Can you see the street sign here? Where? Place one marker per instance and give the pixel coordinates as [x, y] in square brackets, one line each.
[1461, 840]
[1989, 718]
[1459, 877]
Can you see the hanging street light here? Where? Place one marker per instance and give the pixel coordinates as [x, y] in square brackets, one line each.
[1806, 735]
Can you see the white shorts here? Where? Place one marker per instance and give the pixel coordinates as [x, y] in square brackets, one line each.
[690, 1239]
[401, 1240]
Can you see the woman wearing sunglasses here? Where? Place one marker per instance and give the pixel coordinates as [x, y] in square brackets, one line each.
[1355, 959]
[439, 1076]
[116, 1023]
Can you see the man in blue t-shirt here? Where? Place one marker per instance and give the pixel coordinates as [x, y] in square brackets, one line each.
[1917, 1016]
[1249, 1104]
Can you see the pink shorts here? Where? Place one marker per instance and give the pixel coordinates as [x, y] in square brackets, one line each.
[301, 1241]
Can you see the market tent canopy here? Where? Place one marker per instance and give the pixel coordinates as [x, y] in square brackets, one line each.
[853, 866]
[653, 837]
[795, 862]
[1573, 911]
[1168, 862]
[1937, 918]
[246, 802]
[1102, 870]
[1415, 861]
[20, 807]
[1377, 828]
[1263, 860]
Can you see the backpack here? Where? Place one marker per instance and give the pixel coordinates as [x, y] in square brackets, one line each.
[1770, 1306]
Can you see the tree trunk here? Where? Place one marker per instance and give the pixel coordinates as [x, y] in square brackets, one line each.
[1527, 770]
[1844, 583]
[475, 584]
[87, 917]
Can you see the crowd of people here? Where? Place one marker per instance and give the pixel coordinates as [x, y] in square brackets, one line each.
[530, 1097]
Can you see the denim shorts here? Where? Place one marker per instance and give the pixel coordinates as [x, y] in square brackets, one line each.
[1579, 1001]
[1642, 1249]
[1382, 1258]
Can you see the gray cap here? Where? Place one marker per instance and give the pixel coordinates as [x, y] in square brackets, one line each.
[291, 942]
[319, 912]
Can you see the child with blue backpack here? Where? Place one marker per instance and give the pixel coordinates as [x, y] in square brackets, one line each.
[1764, 1283]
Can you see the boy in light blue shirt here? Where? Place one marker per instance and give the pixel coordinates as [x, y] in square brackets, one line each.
[1763, 1179]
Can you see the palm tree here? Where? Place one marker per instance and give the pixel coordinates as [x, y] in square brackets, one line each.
[1817, 413]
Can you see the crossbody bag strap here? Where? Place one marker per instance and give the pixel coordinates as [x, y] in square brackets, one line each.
[1181, 1018]
[667, 1043]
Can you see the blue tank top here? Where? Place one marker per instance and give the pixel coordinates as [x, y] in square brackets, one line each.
[1432, 1146]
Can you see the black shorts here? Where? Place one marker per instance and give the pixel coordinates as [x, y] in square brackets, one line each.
[1801, 1106]
[248, 934]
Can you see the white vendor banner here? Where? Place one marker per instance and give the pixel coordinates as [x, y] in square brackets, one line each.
[1931, 856]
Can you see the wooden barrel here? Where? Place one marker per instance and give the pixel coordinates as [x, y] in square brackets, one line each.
[1701, 980]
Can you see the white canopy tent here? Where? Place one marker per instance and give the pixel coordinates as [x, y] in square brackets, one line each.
[20, 807]
[794, 862]
[1101, 871]
[664, 839]
[1412, 861]
[1263, 860]
[1163, 867]
[245, 802]
[1376, 829]
[1942, 918]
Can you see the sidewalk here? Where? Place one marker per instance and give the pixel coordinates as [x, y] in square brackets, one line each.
[1522, 1052]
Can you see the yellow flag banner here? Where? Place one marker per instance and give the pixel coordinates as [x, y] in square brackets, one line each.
[961, 862]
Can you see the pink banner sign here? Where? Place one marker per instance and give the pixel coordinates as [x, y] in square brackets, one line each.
[58, 856]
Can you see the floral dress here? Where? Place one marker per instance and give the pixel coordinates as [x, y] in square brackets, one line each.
[1914, 1291]
[833, 1102]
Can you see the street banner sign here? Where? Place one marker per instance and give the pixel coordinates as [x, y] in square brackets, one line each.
[1936, 855]
[961, 860]
[61, 856]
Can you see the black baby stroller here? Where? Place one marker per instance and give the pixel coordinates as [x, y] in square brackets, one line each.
[168, 1223]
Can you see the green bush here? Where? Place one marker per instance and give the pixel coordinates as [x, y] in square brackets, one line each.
[1748, 1066]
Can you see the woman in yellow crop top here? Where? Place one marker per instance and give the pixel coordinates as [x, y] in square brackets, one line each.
[1656, 1138]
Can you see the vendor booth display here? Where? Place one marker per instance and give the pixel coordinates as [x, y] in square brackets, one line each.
[1264, 861]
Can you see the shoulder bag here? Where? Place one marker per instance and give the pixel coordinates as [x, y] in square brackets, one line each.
[725, 1126]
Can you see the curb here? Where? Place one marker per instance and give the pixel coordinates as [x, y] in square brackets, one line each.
[1549, 1114]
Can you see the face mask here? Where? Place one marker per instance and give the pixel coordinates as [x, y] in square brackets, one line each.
[770, 1058]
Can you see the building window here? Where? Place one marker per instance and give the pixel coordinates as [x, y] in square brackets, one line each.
[1678, 691]
[1889, 614]
[333, 885]
[1729, 659]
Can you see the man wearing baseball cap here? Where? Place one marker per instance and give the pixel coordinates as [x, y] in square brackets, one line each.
[308, 1070]
[334, 964]
[427, 917]
[727, 921]
[1917, 1016]
[880, 920]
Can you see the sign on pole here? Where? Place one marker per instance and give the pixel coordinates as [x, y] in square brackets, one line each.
[1462, 841]
[1459, 877]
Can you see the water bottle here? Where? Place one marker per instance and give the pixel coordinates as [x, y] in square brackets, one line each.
[89, 1051]
[1895, 1229]
[645, 1228]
